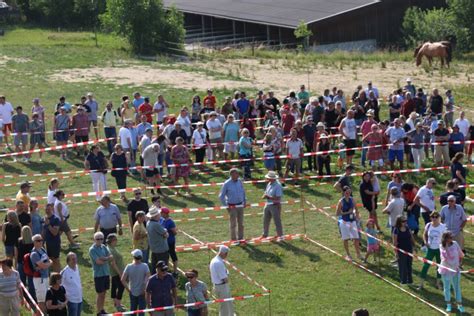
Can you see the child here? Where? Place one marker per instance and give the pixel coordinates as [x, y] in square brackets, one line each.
[373, 245]
[342, 156]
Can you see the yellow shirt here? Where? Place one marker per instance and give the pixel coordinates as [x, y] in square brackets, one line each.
[23, 197]
[141, 243]
[128, 114]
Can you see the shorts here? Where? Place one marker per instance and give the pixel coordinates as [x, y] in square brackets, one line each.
[151, 173]
[7, 127]
[41, 287]
[350, 143]
[395, 154]
[36, 139]
[230, 148]
[294, 163]
[102, 284]
[371, 248]
[348, 230]
[172, 251]
[23, 139]
[9, 250]
[380, 162]
[53, 249]
[64, 227]
[62, 136]
[80, 139]
[93, 122]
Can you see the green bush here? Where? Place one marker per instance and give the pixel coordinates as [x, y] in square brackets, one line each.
[146, 25]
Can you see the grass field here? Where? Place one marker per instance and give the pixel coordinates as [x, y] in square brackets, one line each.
[304, 279]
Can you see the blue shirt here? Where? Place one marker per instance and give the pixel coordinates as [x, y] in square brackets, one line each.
[243, 105]
[37, 256]
[231, 132]
[160, 290]
[141, 128]
[156, 240]
[371, 240]
[36, 224]
[95, 252]
[454, 137]
[134, 132]
[232, 192]
[138, 102]
[274, 189]
[169, 224]
[242, 149]
[396, 134]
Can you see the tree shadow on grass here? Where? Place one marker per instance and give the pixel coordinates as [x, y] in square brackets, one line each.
[256, 254]
[298, 251]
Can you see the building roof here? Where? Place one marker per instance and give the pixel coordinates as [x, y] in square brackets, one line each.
[284, 13]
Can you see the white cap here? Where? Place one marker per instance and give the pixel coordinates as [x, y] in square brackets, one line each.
[408, 79]
[223, 249]
[137, 253]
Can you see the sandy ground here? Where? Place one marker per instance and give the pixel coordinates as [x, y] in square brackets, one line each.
[4, 59]
[278, 75]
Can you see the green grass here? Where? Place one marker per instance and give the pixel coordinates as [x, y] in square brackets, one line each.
[304, 279]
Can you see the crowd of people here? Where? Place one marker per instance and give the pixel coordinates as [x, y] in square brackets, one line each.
[147, 141]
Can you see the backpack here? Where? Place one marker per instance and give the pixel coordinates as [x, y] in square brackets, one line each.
[28, 267]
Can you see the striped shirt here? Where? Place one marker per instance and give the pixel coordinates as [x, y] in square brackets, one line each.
[9, 284]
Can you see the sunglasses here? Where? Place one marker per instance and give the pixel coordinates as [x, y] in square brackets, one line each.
[434, 216]
[451, 201]
[190, 277]
[138, 193]
[40, 240]
[99, 239]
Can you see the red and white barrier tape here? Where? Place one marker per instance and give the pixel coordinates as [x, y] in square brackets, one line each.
[386, 243]
[36, 307]
[234, 267]
[378, 276]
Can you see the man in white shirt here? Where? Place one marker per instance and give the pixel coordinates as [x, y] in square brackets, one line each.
[71, 281]
[125, 136]
[220, 280]
[294, 149]
[348, 130]
[425, 199]
[150, 163]
[395, 207]
[214, 127]
[160, 109]
[6, 113]
[463, 124]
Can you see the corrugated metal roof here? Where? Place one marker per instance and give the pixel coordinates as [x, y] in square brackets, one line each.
[285, 13]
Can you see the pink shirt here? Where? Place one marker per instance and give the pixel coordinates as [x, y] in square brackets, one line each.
[366, 127]
[450, 257]
[81, 123]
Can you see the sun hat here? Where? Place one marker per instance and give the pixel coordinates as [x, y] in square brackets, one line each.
[153, 212]
[271, 175]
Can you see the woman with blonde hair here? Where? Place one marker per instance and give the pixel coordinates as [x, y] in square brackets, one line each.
[24, 246]
[11, 232]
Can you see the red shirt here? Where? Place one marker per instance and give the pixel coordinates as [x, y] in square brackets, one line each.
[288, 122]
[147, 109]
[211, 99]
[408, 106]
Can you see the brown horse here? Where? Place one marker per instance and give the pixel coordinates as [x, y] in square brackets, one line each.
[443, 50]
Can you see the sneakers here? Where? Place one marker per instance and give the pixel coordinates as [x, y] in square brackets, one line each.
[461, 309]
[348, 258]
[449, 308]
[120, 308]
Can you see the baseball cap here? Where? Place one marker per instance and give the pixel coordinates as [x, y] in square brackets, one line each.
[137, 253]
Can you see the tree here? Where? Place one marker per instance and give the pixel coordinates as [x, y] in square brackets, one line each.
[146, 25]
[303, 33]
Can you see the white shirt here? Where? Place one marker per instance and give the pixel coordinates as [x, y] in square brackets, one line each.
[160, 115]
[150, 157]
[185, 124]
[374, 90]
[71, 280]
[395, 207]
[51, 197]
[426, 198]
[350, 129]
[199, 137]
[434, 235]
[463, 126]
[6, 112]
[1, 127]
[167, 130]
[124, 134]
[211, 124]
[64, 210]
[218, 270]
[294, 148]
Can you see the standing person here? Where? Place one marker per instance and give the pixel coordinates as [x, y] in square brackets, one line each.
[403, 239]
[94, 108]
[56, 298]
[160, 108]
[458, 171]
[417, 136]
[441, 151]
[10, 289]
[425, 199]
[246, 153]
[324, 160]
[394, 208]
[367, 195]
[199, 141]
[40, 263]
[146, 109]
[52, 237]
[134, 279]
[61, 130]
[127, 111]
[150, 163]
[220, 280]
[349, 215]
[273, 195]
[157, 238]
[6, 112]
[348, 129]
[396, 135]
[140, 236]
[451, 257]
[137, 204]
[268, 152]
[294, 150]
[170, 226]
[24, 195]
[232, 195]
[37, 137]
[214, 128]
[120, 160]
[116, 270]
[125, 137]
[210, 98]
[161, 290]
[230, 136]
[107, 217]
[21, 128]
[455, 218]
[436, 103]
[24, 246]
[96, 162]
[345, 180]
[110, 120]
[432, 239]
[61, 211]
[71, 281]
[180, 157]
[374, 139]
[36, 220]
[11, 232]
[309, 129]
[100, 258]
[80, 127]
[196, 291]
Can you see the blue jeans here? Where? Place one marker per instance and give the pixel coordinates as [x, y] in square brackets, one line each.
[109, 133]
[194, 312]
[455, 282]
[137, 302]
[74, 309]
[145, 253]
[167, 158]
